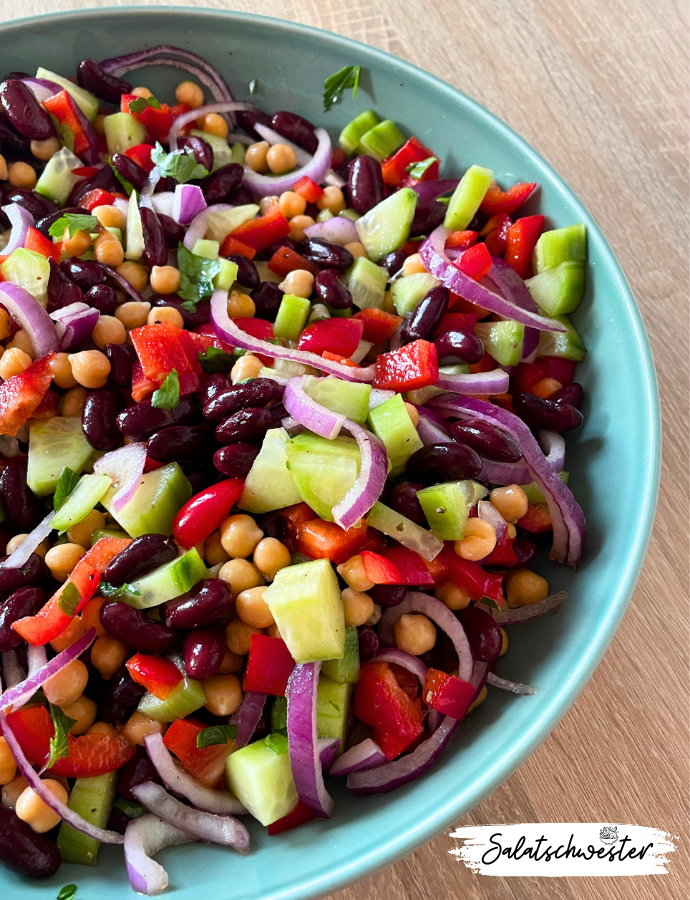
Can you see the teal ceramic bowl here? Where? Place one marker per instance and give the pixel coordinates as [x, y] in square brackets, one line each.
[613, 459]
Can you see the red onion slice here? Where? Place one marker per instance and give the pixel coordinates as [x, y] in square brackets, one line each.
[483, 383]
[553, 445]
[309, 413]
[504, 473]
[487, 511]
[12, 672]
[248, 717]
[36, 658]
[338, 230]
[125, 466]
[524, 613]
[316, 168]
[370, 481]
[222, 106]
[513, 288]
[27, 312]
[74, 324]
[41, 88]
[20, 221]
[124, 284]
[328, 750]
[515, 687]
[303, 740]
[144, 837]
[430, 428]
[161, 203]
[272, 137]
[366, 755]
[19, 556]
[198, 225]
[404, 659]
[188, 202]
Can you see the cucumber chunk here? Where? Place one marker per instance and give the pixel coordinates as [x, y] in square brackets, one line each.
[160, 495]
[332, 707]
[206, 248]
[135, 229]
[467, 197]
[367, 283]
[262, 780]
[88, 492]
[29, 270]
[386, 227]
[323, 471]
[345, 397]
[353, 132]
[447, 506]
[382, 140]
[53, 444]
[345, 670]
[567, 346]
[220, 224]
[559, 290]
[395, 525]
[187, 697]
[57, 180]
[407, 291]
[292, 317]
[123, 131]
[169, 581]
[560, 245]
[269, 485]
[225, 279]
[534, 495]
[92, 799]
[85, 100]
[502, 340]
[391, 422]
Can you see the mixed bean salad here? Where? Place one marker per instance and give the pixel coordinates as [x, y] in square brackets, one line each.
[281, 434]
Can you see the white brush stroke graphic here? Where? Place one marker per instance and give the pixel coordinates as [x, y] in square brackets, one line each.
[559, 850]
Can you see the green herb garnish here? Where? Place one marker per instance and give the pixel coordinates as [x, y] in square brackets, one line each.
[416, 170]
[73, 222]
[139, 105]
[68, 601]
[214, 359]
[252, 86]
[334, 85]
[58, 743]
[67, 892]
[66, 484]
[183, 167]
[129, 807]
[112, 592]
[196, 276]
[216, 734]
[444, 200]
[278, 743]
[168, 394]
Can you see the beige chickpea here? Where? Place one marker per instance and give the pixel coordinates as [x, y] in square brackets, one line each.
[62, 371]
[8, 767]
[414, 633]
[62, 558]
[12, 791]
[137, 275]
[240, 575]
[165, 279]
[273, 631]
[358, 607]
[332, 199]
[82, 532]
[239, 535]
[267, 202]
[14, 362]
[108, 654]
[43, 150]
[298, 225]
[138, 726]
[66, 638]
[102, 728]
[478, 540]
[292, 204]
[511, 531]
[189, 93]
[511, 501]
[37, 814]
[299, 282]
[78, 244]
[253, 609]
[90, 368]
[23, 342]
[72, 402]
[214, 554]
[255, 156]
[357, 249]
[412, 413]
[109, 216]
[352, 571]
[133, 313]
[413, 265]
[270, 556]
[504, 645]
[99, 124]
[215, 124]
[83, 710]
[238, 636]
[523, 587]
[223, 694]
[68, 684]
[108, 330]
[240, 306]
[108, 250]
[167, 315]
[4, 171]
[247, 366]
[22, 175]
[281, 158]
[5, 327]
[453, 596]
[231, 664]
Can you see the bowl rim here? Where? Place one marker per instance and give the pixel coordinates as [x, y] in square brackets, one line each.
[448, 810]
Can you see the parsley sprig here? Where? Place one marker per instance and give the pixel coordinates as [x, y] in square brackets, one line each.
[72, 222]
[334, 85]
[168, 394]
[183, 167]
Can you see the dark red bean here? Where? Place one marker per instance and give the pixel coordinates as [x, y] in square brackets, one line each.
[426, 315]
[129, 170]
[155, 247]
[278, 413]
[174, 233]
[117, 820]
[403, 499]
[61, 291]
[487, 440]
[139, 421]
[247, 119]
[201, 149]
[104, 179]
[43, 225]
[458, 346]
[482, 632]
[113, 713]
[273, 526]
[525, 551]
[24, 111]
[147, 552]
[99, 418]
[136, 771]
[203, 652]
[570, 394]
[92, 77]
[103, 298]
[368, 643]
[443, 462]
[241, 196]
[33, 570]
[134, 628]
[283, 242]
[247, 274]
[388, 594]
[325, 253]
[191, 320]
[218, 186]
[23, 851]
[257, 392]
[245, 426]
[267, 299]
[180, 443]
[429, 212]
[23, 602]
[235, 460]
[121, 357]
[123, 690]
[10, 135]
[540, 413]
[207, 602]
[38, 206]
[84, 272]
[296, 129]
[393, 262]
[331, 291]
[365, 188]
[212, 386]
[19, 502]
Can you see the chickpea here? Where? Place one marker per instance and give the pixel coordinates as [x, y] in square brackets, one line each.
[66, 638]
[165, 279]
[270, 557]
[298, 225]
[253, 609]
[267, 202]
[91, 616]
[352, 571]
[138, 726]
[223, 694]
[189, 93]
[137, 275]
[5, 328]
[523, 587]
[453, 596]
[480, 699]
[22, 175]
[273, 631]
[332, 199]
[240, 306]
[23, 342]
[43, 150]
[165, 314]
[504, 645]
[72, 402]
[281, 158]
[292, 204]
[412, 413]
[358, 607]
[356, 249]
[142, 92]
[299, 282]
[255, 157]
[414, 633]
[413, 265]
[247, 366]
[238, 636]
[109, 216]
[239, 535]
[109, 330]
[12, 791]
[62, 558]
[133, 313]
[108, 654]
[32, 810]
[82, 532]
[511, 501]
[103, 728]
[8, 767]
[4, 171]
[478, 540]
[14, 542]
[511, 531]
[62, 371]
[240, 575]
[77, 245]
[214, 554]
[90, 367]
[108, 250]
[231, 664]
[215, 124]
[14, 362]
[68, 684]
[83, 710]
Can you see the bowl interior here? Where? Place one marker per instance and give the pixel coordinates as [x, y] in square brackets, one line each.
[613, 459]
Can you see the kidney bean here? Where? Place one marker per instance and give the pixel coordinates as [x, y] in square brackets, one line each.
[267, 298]
[155, 247]
[147, 552]
[136, 771]
[443, 462]
[236, 460]
[368, 643]
[121, 357]
[203, 652]
[134, 628]
[388, 594]
[365, 187]
[112, 712]
[458, 346]
[104, 179]
[201, 149]
[570, 394]
[296, 129]
[219, 185]
[482, 632]
[123, 690]
[257, 392]
[26, 601]
[174, 233]
[92, 77]
[23, 850]
[331, 291]
[212, 385]
[273, 526]
[10, 135]
[393, 262]
[139, 421]
[326, 253]
[247, 274]
[540, 413]
[83, 272]
[206, 602]
[129, 170]
[61, 291]
[426, 315]
[245, 426]
[103, 298]
[403, 499]
[241, 196]
[117, 820]
[278, 413]
[24, 111]
[21, 505]
[182, 443]
[247, 119]
[525, 551]
[99, 418]
[487, 440]
[38, 206]
[428, 215]
[33, 570]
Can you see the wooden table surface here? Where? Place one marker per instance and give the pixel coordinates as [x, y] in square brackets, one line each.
[601, 90]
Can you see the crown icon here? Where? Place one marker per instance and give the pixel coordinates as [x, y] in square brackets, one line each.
[609, 833]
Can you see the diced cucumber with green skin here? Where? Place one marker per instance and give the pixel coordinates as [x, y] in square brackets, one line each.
[238, 154]
[367, 283]
[56, 180]
[386, 227]
[332, 708]
[345, 670]
[53, 444]
[306, 604]
[410, 289]
[206, 248]
[135, 229]
[502, 340]
[350, 214]
[220, 224]
[88, 492]
[169, 581]
[187, 697]
[566, 346]
[467, 197]
[382, 140]
[262, 780]
[345, 397]
[92, 799]
[559, 290]
[323, 471]
[353, 132]
[292, 317]
[160, 495]
[559, 246]
[225, 279]
[391, 422]
[85, 100]
[447, 506]
[269, 485]
[395, 525]
[29, 270]
[534, 495]
[107, 533]
[123, 131]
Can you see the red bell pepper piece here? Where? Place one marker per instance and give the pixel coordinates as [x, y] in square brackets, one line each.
[341, 336]
[162, 348]
[475, 262]
[308, 189]
[379, 325]
[411, 247]
[447, 694]
[62, 106]
[156, 121]
[233, 247]
[297, 816]
[413, 366]
[262, 232]
[396, 565]
[502, 555]
[393, 745]
[461, 240]
[495, 233]
[295, 517]
[529, 374]
[537, 519]
[438, 570]
[141, 155]
[471, 577]
[380, 702]
[39, 244]
[498, 201]
[456, 321]
[96, 198]
[486, 364]
[326, 540]
[205, 336]
[521, 239]
[394, 169]
[48, 407]
[562, 370]
[207, 764]
[337, 158]
[269, 666]
[159, 676]
[343, 360]
[285, 260]
[201, 515]
[379, 569]
[141, 385]
[407, 680]
[84, 171]
[21, 394]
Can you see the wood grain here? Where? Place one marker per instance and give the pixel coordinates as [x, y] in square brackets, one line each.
[601, 90]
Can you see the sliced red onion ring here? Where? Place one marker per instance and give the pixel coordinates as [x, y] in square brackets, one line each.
[494, 382]
[74, 324]
[27, 312]
[406, 660]
[433, 255]
[20, 220]
[370, 481]
[36, 658]
[303, 741]
[204, 826]
[338, 230]
[222, 106]
[19, 556]
[405, 531]
[316, 168]
[124, 284]
[430, 428]
[504, 473]
[248, 717]
[228, 331]
[433, 720]
[125, 466]
[272, 137]
[553, 445]
[515, 687]
[439, 613]
[509, 284]
[12, 672]
[144, 837]
[180, 781]
[41, 88]
[333, 179]
[366, 755]
[362, 349]
[162, 203]
[328, 750]
[188, 202]
[309, 413]
[379, 396]
[487, 511]
[524, 613]
[198, 225]
[146, 196]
